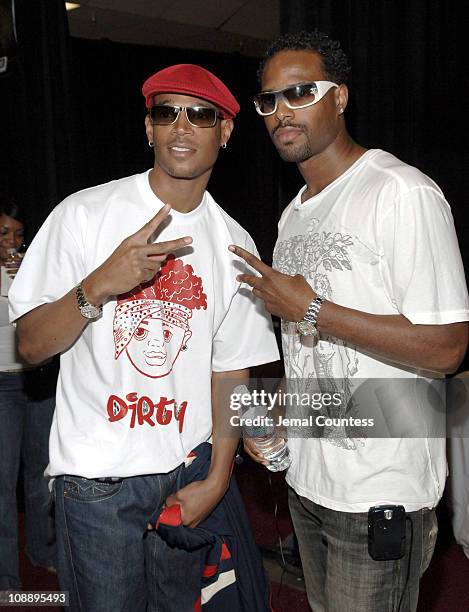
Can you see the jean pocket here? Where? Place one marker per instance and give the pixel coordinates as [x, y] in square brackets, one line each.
[89, 490]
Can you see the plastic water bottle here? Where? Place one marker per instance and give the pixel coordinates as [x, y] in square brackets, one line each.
[264, 435]
[274, 449]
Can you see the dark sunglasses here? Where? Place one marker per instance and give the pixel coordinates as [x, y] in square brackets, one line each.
[296, 96]
[198, 116]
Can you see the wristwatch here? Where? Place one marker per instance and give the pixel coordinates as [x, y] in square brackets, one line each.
[307, 327]
[89, 311]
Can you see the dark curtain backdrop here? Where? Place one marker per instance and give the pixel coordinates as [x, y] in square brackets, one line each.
[36, 153]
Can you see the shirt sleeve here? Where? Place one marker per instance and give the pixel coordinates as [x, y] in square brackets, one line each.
[245, 337]
[53, 264]
[422, 265]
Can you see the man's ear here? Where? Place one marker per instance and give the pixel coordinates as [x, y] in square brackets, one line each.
[148, 128]
[341, 98]
[227, 126]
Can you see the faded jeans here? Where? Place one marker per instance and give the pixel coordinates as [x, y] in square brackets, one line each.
[25, 420]
[107, 559]
[340, 575]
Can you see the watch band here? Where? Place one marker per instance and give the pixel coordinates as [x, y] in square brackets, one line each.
[307, 326]
[311, 314]
[89, 311]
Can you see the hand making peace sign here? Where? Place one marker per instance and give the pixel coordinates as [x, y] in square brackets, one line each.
[135, 260]
[287, 297]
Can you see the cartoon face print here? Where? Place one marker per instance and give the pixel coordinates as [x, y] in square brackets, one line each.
[155, 346]
[152, 322]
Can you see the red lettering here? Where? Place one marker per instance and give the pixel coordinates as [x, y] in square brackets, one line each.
[116, 408]
[145, 409]
[133, 418]
[179, 414]
[163, 415]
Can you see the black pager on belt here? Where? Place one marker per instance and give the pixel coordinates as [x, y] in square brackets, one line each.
[386, 532]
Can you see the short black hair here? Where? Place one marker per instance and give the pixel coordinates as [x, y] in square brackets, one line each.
[335, 61]
[9, 208]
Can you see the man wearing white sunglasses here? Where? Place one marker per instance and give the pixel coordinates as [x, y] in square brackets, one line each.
[369, 284]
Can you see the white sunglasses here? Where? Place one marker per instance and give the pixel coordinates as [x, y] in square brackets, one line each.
[295, 96]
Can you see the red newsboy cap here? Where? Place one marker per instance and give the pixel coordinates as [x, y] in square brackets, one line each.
[191, 80]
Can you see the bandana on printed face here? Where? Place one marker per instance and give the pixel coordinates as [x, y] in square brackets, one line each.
[172, 295]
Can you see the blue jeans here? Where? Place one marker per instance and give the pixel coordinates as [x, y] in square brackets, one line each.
[107, 559]
[339, 573]
[25, 420]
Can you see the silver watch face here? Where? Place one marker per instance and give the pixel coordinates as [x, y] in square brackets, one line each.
[89, 311]
[306, 328]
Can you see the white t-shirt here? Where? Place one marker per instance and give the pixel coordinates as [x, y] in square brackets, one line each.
[379, 239]
[134, 390]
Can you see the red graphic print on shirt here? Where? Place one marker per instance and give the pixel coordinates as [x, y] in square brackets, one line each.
[151, 322]
[144, 410]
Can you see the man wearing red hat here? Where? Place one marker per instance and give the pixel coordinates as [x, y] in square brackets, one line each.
[147, 332]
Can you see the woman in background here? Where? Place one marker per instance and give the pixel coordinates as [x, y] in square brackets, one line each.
[27, 399]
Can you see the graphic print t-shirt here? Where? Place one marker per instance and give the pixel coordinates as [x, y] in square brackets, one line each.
[134, 390]
[379, 239]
